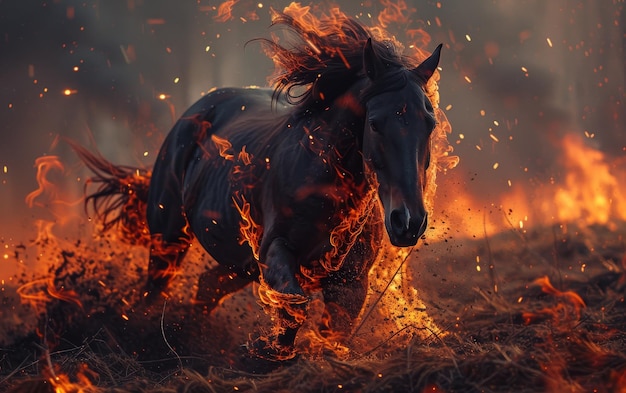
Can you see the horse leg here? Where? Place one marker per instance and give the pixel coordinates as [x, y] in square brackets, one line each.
[216, 283]
[344, 294]
[281, 292]
[170, 235]
[345, 290]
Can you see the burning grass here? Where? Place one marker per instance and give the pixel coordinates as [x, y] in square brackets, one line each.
[556, 323]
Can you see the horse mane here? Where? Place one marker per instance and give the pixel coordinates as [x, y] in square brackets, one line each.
[326, 58]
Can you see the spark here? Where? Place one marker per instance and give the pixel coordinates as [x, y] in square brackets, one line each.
[495, 138]
[468, 38]
[467, 78]
[549, 42]
[449, 107]
[145, 154]
[482, 112]
[176, 80]
[5, 169]
[496, 165]
[208, 48]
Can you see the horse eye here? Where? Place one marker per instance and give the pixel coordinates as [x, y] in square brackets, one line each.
[374, 127]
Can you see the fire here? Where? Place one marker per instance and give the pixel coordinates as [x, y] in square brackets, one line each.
[44, 165]
[81, 383]
[224, 147]
[591, 190]
[394, 12]
[251, 232]
[28, 292]
[225, 11]
[568, 301]
[50, 191]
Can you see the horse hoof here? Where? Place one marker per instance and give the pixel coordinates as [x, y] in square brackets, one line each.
[263, 355]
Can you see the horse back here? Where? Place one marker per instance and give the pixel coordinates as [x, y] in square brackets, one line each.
[193, 173]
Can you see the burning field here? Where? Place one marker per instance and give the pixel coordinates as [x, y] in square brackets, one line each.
[518, 285]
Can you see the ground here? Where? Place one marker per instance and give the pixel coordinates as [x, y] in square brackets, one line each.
[525, 311]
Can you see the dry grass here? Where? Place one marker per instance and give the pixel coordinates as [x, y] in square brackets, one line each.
[521, 339]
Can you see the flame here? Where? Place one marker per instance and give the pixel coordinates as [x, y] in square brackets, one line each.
[590, 192]
[63, 383]
[44, 165]
[394, 12]
[344, 235]
[588, 188]
[244, 156]
[225, 11]
[224, 147]
[560, 313]
[33, 293]
[251, 232]
[50, 192]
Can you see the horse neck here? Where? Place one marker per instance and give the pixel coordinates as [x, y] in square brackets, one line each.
[335, 131]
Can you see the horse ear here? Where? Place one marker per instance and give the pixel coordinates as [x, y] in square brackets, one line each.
[425, 70]
[372, 64]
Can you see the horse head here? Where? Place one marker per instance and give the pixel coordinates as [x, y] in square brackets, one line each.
[396, 139]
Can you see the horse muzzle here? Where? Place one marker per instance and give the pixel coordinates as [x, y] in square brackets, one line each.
[404, 228]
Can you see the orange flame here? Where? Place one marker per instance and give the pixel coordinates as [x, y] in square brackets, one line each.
[33, 294]
[44, 165]
[394, 12]
[591, 191]
[343, 236]
[225, 11]
[62, 383]
[561, 312]
[251, 232]
[244, 156]
[224, 147]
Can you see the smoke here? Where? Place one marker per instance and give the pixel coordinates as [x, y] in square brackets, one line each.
[516, 77]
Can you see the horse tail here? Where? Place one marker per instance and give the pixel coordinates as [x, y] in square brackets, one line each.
[121, 197]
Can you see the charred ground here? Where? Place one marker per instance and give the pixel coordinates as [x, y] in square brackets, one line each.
[504, 328]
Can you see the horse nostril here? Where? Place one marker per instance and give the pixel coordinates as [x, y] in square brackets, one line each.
[399, 222]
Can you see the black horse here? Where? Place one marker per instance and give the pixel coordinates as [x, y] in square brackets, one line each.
[289, 186]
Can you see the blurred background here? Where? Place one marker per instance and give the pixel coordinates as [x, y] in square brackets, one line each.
[534, 91]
